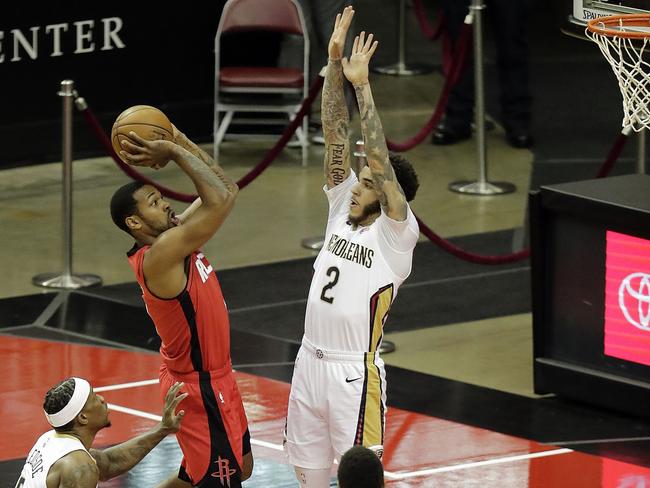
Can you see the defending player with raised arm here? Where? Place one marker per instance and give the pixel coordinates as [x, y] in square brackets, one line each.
[338, 388]
[390, 193]
[63, 457]
[184, 299]
[334, 110]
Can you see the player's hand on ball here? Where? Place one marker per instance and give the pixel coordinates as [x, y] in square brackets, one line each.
[171, 421]
[177, 136]
[154, 154]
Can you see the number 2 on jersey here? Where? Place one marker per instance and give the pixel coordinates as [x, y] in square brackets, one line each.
[333, 274]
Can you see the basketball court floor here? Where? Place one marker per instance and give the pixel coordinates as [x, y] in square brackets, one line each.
[462, 410]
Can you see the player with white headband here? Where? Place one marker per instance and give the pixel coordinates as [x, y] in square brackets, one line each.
[64, 457]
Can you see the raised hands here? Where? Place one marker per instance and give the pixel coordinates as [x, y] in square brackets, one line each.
[154, 154]
[340, 32]
[356, 68]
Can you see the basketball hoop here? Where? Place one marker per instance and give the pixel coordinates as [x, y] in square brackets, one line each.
[624, 41]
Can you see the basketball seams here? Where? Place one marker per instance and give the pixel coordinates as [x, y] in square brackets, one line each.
[143, 120]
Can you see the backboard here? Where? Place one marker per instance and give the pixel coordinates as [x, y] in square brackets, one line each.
[585, 10]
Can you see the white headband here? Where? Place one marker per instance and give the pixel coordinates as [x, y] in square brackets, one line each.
[74, 406]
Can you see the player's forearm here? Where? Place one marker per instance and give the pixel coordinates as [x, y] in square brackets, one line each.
[188, 144]
[187, 213]
[335, 120]
[119, 459]
[372, 130]
[391, 195]
[212, 186]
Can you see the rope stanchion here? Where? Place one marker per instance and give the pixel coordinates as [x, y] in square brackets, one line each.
[468, 256]
[242, 183]
[454, 250]
[460, 61]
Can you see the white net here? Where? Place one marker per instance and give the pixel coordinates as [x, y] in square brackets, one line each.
[626, 57]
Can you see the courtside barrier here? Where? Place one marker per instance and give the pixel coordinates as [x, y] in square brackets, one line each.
[459, 63]
[434, 32]
[444, 244]
[314, 89]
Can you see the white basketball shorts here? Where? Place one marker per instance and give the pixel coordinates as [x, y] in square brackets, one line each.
[337, 400]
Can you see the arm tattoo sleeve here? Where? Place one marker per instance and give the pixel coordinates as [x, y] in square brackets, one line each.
[121, 458]
[376, 148]
[336, 121]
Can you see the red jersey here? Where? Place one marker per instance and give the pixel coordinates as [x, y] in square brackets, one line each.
[194, 326]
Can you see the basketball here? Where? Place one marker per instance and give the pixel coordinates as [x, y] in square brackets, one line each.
[146, 121]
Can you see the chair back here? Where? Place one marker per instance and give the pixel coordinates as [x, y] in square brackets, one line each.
[261, 15]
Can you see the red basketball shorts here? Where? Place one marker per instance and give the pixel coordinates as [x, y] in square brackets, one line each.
[214, 432]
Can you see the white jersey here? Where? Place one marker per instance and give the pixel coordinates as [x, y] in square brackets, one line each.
[49, 448]
[356, 275]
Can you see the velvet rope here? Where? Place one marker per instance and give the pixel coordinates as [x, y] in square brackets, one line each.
[457, 69]
[469, 256]
[613, 155]
[129, 170]
[430, 32]
[444, 244]
[604, 170]
[314, 89]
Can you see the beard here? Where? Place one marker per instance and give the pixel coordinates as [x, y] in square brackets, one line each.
[158, 228]
[368, 210]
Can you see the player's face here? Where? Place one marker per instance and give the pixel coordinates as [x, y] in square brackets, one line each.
[96, 410]
[364, 204]
[154, 211]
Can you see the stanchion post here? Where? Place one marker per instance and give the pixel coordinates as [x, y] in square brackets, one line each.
[360, 155]
[641, 151]
[401, 68]
[482, 186]
[67, 279]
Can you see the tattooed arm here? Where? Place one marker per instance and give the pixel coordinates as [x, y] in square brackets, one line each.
[185, 142]
[119, 459]
[74, 470]
[334, 110]
[391, 195]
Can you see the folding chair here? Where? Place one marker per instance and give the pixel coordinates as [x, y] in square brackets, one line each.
[238, 88]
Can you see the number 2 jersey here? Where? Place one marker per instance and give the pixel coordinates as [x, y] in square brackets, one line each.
[356, 275]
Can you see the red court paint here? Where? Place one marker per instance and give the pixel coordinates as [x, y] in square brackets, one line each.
[414, 442]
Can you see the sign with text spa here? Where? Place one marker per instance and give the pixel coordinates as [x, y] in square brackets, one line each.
[117, 54]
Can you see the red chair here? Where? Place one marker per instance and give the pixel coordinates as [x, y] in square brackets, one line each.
[239, 88]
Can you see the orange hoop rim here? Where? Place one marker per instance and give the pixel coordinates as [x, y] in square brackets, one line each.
[600, 25]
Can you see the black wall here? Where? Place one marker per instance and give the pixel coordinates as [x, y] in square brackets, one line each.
[160, 55]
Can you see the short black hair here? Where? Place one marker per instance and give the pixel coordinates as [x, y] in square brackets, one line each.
[360, 468]
[405, 174]
[57, 398]
[123, 204]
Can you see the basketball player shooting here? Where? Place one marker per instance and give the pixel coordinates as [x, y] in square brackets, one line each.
[183, 298]
[338, 390]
